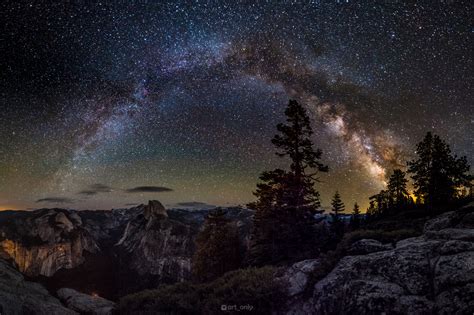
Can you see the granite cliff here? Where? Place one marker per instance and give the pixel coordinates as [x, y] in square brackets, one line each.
[44, 241]
[111, 252]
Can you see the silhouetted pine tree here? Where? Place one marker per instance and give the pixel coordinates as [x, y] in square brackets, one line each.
[217, 248]
[287, 200]
[382, 203]
[397, 188]
[355, 218]
[437, 174]
[371, 212]
[337, 209]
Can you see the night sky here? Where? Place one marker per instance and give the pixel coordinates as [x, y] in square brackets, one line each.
[110, 104]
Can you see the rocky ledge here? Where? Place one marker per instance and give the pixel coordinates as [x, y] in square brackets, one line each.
[430, 274]
[18, 296]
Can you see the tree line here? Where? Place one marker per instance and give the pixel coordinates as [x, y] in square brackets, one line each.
[287, 201]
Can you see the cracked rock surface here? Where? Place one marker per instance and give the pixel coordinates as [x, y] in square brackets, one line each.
[430, 274]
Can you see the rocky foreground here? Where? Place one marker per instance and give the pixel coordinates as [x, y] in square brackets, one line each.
[18, 296]
[430, 274]
[148, 246]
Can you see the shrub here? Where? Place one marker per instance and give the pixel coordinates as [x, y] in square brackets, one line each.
[253, 286]
[180, 298]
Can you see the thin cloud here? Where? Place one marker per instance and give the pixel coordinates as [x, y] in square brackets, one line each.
[88, 192]
[55, 200]
[148, 189]
[95, 189]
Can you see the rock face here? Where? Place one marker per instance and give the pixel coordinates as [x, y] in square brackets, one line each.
[296, 277]
[430, 274]
[366, 246]
[154, 210]
[106, 227]
[85, 304]
[44, 241]
[106, 251]
[155, 248]
[18, 296]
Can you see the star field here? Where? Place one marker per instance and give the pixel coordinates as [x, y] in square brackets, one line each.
[112, 103]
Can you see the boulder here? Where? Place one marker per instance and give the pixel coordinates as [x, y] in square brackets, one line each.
[18, 296]
[84, 303]
[367, 246]
[297, 276]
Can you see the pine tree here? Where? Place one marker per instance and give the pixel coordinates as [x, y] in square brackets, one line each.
[337, 209]
[217, 248]
[355, 218]
[337, 205]
[287, 199]
[397, 188]
[371, 211]
[437, 174]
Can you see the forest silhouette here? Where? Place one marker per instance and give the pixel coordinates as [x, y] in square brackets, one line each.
[286, 225]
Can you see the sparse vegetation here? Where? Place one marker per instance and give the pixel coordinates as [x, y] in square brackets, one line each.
[253, 287]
